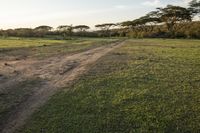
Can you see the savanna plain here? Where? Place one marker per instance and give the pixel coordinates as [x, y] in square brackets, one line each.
[99, 85]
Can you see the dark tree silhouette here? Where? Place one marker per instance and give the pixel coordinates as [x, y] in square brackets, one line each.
[66, 30]
[44, 28]
[81, 28]
[105, 28]
[172, 15]
[195, 7]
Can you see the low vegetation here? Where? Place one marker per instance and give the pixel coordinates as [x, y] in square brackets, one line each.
[42, 48]
[149, 85]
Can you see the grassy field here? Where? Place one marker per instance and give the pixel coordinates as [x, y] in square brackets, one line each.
[14, 42]
[146, 86]
[43, 48]
[16, 49]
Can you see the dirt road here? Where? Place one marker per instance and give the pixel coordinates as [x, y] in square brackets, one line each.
[57, 73]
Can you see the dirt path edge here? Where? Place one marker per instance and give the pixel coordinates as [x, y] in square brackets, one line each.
[78, 64]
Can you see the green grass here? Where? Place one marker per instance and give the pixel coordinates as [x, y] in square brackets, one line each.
[14, 42]
[14, 95]
[146, 86]
[43, 48]
[26, 42]
[20, 48]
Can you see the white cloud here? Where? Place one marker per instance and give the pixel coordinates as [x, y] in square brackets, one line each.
[186, 1]
[153, 3]
[160, 3]
[183, 3]
[120, 6]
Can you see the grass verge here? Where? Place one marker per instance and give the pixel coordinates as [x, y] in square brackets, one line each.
[21, 48]
[145, 86]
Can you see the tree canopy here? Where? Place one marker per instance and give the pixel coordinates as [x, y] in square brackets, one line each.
[44, 27]
[195, 7]
[170, 21]
[105, 26]
[81, 27]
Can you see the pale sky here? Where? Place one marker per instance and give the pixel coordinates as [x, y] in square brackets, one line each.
[31, 13]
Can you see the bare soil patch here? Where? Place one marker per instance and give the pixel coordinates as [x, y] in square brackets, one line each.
[55, 72]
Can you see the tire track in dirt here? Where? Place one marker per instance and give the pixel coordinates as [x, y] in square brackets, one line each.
[58, 72]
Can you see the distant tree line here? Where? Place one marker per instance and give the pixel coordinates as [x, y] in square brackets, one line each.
[168, 22]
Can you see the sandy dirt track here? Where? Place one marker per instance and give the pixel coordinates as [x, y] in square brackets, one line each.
[57, 72]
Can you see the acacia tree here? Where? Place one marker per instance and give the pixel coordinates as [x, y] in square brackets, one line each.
[171, 16]
[43, 30]
[121, 30]
[81, 29]
[128, 26]
[136, 27]
[139, 27]
[66, 30]
[105, 28]
[44, 27]
[24, 32]
[152, 19]
[195, 7]
[174, 15]
[63, 30]
[146, 23]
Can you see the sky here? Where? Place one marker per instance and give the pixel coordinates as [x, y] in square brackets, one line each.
[32, 13]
